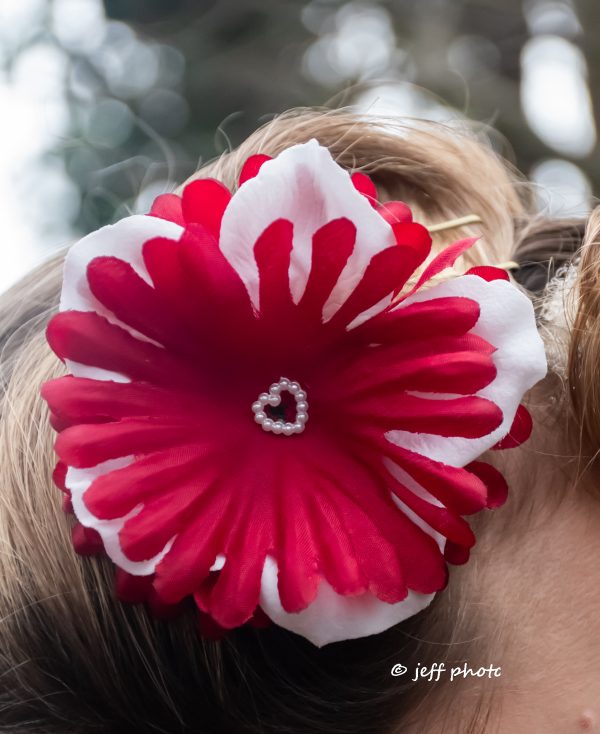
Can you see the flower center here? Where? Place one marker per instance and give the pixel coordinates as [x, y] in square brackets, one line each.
[283, 410]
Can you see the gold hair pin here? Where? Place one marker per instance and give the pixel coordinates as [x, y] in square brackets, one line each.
[455, 223]
[463, 222]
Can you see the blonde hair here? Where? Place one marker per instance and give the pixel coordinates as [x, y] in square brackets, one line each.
[74, 659]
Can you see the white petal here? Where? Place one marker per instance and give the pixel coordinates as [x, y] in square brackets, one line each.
[124, 240]
[304, 185]
[78, 482]
[332, 617]
[411, 484]
[506, 321]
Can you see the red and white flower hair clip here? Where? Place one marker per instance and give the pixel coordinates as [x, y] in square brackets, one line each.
[263, 417]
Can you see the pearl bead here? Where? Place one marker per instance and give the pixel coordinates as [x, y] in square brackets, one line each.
[273, 399]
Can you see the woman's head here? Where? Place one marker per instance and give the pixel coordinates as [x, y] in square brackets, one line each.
[73, 658]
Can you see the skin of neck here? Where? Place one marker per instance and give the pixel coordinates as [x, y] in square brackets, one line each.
[532, 593]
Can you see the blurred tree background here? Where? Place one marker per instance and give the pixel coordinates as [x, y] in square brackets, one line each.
[106, 103]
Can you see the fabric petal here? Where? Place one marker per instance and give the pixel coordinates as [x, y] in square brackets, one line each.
[425, 320]
[497, 488]
[78, 482]
[252, 166]
[135, 303]
[331, 617]
[85, 338]
[519, 432]
[203, 202]
[443, 260]
[395, 211]
[488, 272]
[332, 245]
[168, 206]
[506, 321]
[305, 186]
[365, 186]
[272, 252]
[124, 240]
[387, 272]
[465, 417]
[114, 495]
[83, 446]
[81, 400]
[461, 372]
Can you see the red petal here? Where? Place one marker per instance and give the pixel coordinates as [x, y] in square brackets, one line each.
[165, 515]
[259, 619]
[459, 490]
[447, 523]
[445, 259]
[463, 373]
[337, 563]
[375, 552]
[57, 423]
[489, 273]
[414, 236]
[363, 184]
[519, 431]
[168, 275]
[218, 289]
[332, 245]
[118, 492]
[250, 526]
[395, 211]
[387, 271]
[468, 417]
[193, 553]
[67, 505]
[168, 206]
[252, 166]
[298, 575]
[236, 593]
[497, 488]
[160, 610]
[116, 285]
[83, 400]
[449, 316]
[91, 339]
[421, 565]
[132, 589]
[59, 476]
[399, 351]
[456, 554]
[204, 202]
[272, 252]
[86, 541]
[89, 445]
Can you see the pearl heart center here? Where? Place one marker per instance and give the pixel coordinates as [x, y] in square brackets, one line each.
[273, 399]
